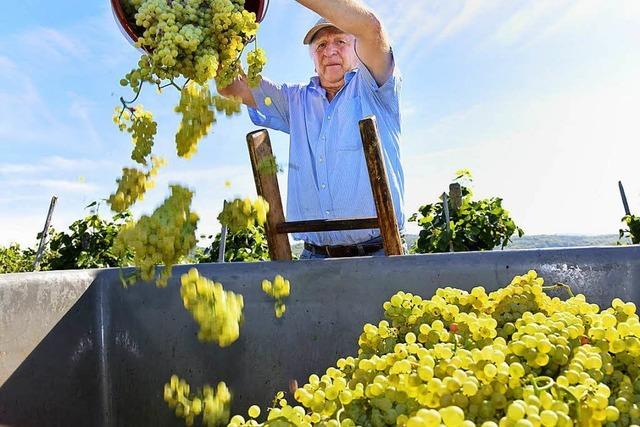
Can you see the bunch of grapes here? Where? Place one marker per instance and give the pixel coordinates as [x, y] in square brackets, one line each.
[140, 124]
[229, 106]
[240, 214]
[213, 405]
[256, 60]
[279, 290]
[133, 185]
[165, 237]
[218, 312]
[191, 39]
[197, 117]
[464, 359]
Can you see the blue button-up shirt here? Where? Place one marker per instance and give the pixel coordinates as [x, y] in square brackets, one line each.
[327, 173]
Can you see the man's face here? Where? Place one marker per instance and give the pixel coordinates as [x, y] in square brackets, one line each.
[333, 55]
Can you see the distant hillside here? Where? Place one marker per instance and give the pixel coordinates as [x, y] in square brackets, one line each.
[563, 241]
[530, 242]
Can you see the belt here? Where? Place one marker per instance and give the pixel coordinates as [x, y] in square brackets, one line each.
[341, 251]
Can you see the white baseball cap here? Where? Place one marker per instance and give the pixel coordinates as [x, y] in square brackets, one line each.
[319, 25]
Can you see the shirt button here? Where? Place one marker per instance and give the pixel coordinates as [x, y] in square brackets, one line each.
[323, 186]
[323, 138]
[328, 117]
[327, 212]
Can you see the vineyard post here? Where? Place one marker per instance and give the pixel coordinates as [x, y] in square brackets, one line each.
[624, 199]
[45, 231]
[447, 217]
[223, 237]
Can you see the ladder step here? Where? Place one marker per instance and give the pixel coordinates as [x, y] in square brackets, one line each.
[327, 225]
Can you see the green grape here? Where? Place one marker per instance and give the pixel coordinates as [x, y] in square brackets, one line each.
[197, 117]
[279, 290]
[133, 185]
[217, 312]
[140, 124]
[240, 214]
[193, 39]
[254, 411]
[229, 106]
[256, 59]
[213, 405]
[164, 237]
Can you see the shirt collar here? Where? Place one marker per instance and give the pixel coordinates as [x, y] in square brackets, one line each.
[314, 82]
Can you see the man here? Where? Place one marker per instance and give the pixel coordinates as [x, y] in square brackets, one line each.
[328, 176]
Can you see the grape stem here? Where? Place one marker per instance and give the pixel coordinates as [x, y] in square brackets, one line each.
[339, 413]
[561, 285]
[537, 388]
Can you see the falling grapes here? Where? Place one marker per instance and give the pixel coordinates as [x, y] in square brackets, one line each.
[197, 117]
[217, 312]
[279, 289]
[164, 237]
[133, 184]
[140, 124]
[240, 214]
[212, 404]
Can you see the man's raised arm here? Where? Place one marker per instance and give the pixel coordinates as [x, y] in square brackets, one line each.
[372, 43]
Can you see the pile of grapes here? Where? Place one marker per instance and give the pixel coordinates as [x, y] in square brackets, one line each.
[513, 357]
[185, 44]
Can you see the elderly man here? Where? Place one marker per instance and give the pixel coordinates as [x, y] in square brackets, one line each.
[327, 176]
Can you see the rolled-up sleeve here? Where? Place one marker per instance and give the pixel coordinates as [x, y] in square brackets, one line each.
[387, 93]
[276, 115]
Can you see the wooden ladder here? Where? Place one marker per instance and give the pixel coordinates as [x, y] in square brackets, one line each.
[277, 229]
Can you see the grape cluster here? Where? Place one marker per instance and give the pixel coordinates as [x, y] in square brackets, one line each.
[229, 106]
[133, 185]
[140, 124]
[165, 237]
[279, 290]
[217, 312]
[191, 39]
[240, 214]
[256, 60]
[515, 357]
[197, 117]
[213, 405]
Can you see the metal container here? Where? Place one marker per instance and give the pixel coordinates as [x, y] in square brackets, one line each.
[77, 349]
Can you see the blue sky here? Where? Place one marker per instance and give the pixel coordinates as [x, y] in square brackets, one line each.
[540, 99]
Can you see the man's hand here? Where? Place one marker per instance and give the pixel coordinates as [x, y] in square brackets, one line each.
[240, 89]
[372, 43]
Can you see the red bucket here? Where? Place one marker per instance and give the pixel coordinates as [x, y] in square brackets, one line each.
[131, 31]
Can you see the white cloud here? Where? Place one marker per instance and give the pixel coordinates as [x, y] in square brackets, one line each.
[469, 14]
[58, 185]
[53, 163]
[530, 19]
[52, 43]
